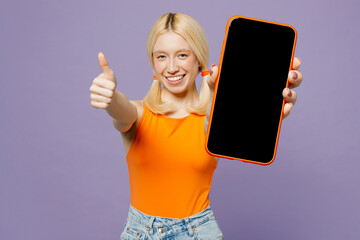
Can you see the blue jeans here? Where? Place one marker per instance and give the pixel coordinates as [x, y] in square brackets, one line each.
[201, 226]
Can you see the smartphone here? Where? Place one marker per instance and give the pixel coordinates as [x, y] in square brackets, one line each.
[247, 107]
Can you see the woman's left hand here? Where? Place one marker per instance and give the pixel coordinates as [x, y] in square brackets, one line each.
[295, 78]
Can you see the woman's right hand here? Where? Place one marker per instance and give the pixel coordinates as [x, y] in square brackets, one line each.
[103, 86]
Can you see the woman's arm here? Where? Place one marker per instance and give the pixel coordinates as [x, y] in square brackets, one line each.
[122, 111]
[210, 79]
[208, 110]
[104, 96]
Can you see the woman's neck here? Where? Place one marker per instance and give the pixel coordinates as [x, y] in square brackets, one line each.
[181, 101]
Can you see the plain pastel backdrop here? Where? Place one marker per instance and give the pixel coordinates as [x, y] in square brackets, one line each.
[63, 173]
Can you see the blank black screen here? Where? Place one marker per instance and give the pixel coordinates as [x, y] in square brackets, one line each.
[248, 104]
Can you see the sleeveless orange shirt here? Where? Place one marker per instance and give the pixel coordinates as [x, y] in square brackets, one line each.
[169, 170]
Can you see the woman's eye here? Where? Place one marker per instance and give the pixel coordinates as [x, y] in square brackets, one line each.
[160, 57]
[183, 55]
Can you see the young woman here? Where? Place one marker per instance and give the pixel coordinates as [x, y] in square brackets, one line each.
[164, 134]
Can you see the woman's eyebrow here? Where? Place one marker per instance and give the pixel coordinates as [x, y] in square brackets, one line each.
[159, 51]
[184, 50]
[180, 50]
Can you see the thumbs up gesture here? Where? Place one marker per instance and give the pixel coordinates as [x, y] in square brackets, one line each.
[103, 86]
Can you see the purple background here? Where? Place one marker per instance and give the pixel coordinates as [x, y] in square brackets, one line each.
[63, 173]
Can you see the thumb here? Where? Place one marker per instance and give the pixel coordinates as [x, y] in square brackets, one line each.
[109, 74]
[211, 77]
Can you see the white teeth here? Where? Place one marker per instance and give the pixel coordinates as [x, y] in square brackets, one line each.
[175, 78]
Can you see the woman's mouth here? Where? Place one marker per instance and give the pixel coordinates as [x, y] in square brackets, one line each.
[175, 80]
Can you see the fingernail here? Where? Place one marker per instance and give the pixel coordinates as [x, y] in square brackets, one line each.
[211, 71]
[289, 93]
[295, 76]
[299, 60]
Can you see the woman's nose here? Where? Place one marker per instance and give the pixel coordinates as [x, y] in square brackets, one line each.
[173, 66]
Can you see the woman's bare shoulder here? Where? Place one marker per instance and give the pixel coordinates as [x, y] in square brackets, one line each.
[139, 104]
[128, 136]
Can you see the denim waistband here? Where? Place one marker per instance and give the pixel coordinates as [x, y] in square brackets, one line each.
[155, 221]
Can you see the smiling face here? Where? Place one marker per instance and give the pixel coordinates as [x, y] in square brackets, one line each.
[175, 64]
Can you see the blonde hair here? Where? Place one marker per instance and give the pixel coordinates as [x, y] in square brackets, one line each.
[194, 34]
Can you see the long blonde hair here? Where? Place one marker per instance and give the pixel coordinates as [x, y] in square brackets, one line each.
[194, 34]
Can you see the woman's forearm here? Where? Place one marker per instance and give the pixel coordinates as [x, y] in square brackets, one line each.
[122, 111]
[208, 111]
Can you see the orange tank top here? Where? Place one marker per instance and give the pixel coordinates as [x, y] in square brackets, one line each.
[169, 170]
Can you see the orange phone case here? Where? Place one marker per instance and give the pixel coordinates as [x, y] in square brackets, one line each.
[217, 82]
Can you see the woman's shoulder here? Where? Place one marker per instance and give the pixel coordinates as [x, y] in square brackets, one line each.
[129, 135]
[139, 104]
